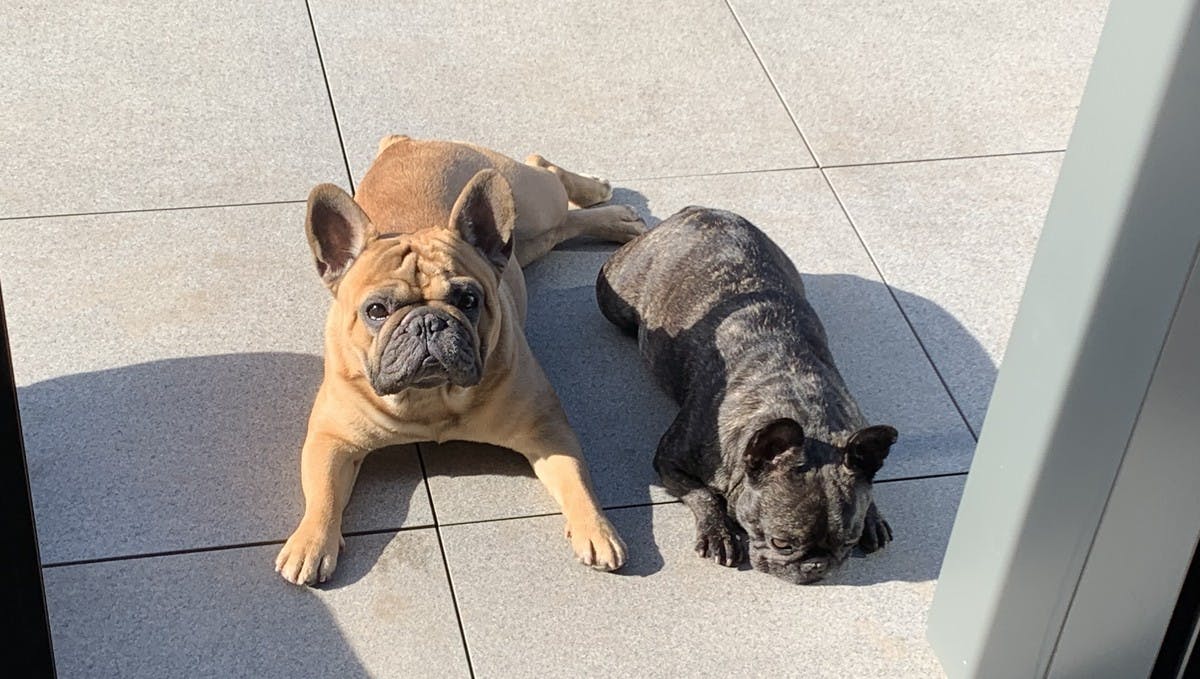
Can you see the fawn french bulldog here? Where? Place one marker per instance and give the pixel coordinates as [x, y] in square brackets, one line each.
[425, 338]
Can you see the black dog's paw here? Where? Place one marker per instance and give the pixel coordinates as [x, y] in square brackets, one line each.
[721, 542]
[876, 533]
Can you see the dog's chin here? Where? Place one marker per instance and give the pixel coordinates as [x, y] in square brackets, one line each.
[790, 572]
[385, 385]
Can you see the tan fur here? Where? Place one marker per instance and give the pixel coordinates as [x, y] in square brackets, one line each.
[409, 195]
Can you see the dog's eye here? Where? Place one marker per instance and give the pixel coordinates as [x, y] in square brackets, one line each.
[467, 301]
[376, 311]
[781, 545]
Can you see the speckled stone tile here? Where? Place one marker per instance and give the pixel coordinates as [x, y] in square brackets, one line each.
[669, 613]
[625, 89]
[136, 105]
[871, 80]
[166, 363]
[955, 240]
[388, 613]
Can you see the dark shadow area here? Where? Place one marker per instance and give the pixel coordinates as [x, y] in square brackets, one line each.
[220, 614]
[636, 525]
[891, 373]
[963, 363]
[460, 461]
[184, 454]
[217, 613]
[637, 201]
[614, 407]
[622, 196]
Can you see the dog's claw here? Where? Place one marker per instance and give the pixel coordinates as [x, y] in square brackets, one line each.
[309, 556]
[720, 544]
[876, 533]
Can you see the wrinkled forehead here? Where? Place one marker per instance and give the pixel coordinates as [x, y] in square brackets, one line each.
[822, 502]
[409, 266]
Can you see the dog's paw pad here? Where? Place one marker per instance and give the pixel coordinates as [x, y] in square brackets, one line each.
[309, 556]
[721, 544]
[597, 545]
[876, 533]
[604, 190]
[629, 224]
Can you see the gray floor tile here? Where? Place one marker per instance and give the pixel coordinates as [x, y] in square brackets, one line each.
[226, 614]
[165, 365]
[672, 614]
[873, 81]
[144, 105]
[955, 240]
[631, 89]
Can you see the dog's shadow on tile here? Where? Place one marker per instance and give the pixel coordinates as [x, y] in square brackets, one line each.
[187, 453]
[184, 454]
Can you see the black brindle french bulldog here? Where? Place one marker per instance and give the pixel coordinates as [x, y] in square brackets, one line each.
[769, 448]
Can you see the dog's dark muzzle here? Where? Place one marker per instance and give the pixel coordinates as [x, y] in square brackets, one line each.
[801, 572]
[427, 348]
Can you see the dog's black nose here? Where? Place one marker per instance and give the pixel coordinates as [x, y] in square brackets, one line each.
[434, 324]
[815, 567]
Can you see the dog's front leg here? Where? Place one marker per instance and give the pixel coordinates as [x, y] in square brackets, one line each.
[555, 455]
[717, 535]
[328, 468]
[876, 531]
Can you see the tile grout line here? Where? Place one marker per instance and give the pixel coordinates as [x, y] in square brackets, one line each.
[721, 173]
[153, 555]
[944, 159]
[903, 313]
[779, 95]
[854, 227]
[174, 208]
[337, 126]
[798, 168]
[542, 515]
[921, 477]
[462, 632]
[839, 166]
[403, 529]
[218, 548]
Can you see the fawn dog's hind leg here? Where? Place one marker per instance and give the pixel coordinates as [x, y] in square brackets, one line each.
[582, 191]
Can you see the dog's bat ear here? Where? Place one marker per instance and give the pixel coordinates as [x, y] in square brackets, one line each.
[867, 448]
[484, 216]
[768, 442]
[337, 231]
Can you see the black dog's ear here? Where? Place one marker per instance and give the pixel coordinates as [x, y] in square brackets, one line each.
[768, 442]
[867, 448]
[337, 231]
[484, 215]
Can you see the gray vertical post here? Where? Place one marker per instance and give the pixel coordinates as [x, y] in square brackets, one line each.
[1115, 254]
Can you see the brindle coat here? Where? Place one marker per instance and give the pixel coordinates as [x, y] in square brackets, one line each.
[769, 447]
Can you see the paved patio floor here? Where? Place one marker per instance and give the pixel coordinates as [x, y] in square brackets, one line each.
[166, 319]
